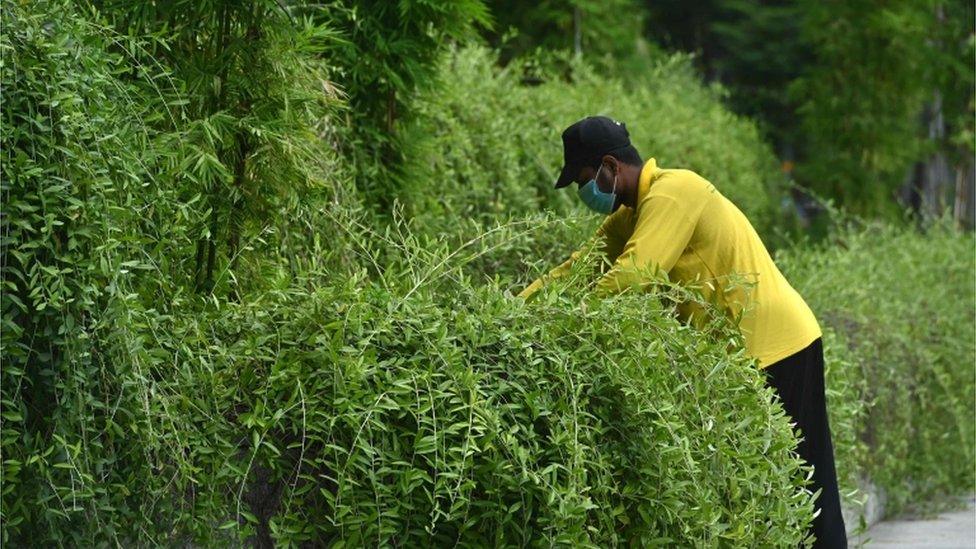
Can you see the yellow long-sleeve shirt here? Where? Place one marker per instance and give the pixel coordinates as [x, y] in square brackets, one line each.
[686, 228]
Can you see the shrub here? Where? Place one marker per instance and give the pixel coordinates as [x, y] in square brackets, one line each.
[387, 412]
[80, 202]
[95, 233]
[899, 306]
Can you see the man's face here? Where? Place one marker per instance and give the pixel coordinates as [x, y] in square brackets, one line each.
[604, 176]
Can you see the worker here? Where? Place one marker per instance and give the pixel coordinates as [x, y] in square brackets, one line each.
[674, 221]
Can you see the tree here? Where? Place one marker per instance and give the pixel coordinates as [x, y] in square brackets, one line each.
[584, 27]
[256, 97]
[877, 65]
[387, 54]
[754, 48]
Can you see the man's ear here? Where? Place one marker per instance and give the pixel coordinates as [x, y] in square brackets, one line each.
[611, 163]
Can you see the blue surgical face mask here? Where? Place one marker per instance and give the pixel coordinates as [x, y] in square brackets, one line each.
[595, 199]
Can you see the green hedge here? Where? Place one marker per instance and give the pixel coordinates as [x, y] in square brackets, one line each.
[84, 207]
[386, 412]
[898, 307]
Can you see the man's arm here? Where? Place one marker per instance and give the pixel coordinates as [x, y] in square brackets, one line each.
[561, 270]
[662, 231]
[614, 235]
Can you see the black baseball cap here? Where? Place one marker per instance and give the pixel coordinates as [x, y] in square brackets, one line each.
[588, 140]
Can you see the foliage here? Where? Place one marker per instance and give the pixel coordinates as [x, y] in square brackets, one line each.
[870, 138]
[160, 394]
[78, 176]
[386, 412]
[839, 87]
[97, 229]
[257, 107]
[386, 56]
[900, 306]
[588, 27]
[442, 431]
[956, 45]
[375, 383]
[754, 48]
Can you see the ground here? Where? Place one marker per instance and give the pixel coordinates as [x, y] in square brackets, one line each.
[951, 529]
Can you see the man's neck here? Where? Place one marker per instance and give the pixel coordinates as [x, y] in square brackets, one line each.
[630, 177]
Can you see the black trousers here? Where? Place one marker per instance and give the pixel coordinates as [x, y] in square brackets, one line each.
[799, 382]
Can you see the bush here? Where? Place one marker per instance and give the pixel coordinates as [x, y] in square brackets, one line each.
[81, 202]
[379, 413]
[898, 306]
[96, 231]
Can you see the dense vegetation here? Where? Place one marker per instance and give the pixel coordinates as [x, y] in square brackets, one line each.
[257, 288]
[898, 354]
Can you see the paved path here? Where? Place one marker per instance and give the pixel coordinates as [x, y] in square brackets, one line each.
[950, 530]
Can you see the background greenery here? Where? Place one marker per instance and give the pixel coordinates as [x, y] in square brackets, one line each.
[853, 93]
[258, 260]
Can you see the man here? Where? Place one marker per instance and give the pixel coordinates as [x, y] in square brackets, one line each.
[676, 221]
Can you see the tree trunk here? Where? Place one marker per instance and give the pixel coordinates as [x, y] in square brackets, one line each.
[208, 282]
[928, 186]
[235, 221]
[964, 204]
[937, 177]
[577, 31]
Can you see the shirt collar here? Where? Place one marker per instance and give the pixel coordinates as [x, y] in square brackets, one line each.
[647, 174]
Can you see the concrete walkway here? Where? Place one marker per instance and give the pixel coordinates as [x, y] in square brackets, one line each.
[949, 530]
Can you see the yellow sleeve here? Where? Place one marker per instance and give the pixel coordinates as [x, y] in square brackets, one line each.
[561, 270]
[614, 235]
[663, 228]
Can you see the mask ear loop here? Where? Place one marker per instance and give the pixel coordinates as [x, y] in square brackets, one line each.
[596, 179]
[613, 191]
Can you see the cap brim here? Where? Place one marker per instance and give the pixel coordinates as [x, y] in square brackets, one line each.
[567, 175]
